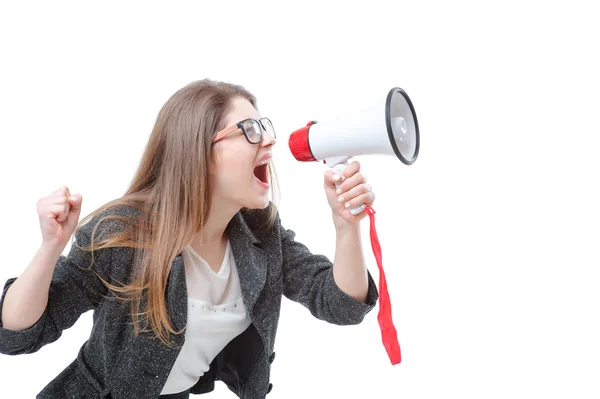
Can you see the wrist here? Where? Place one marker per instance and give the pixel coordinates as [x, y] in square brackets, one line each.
[51, 250]
[343, 226]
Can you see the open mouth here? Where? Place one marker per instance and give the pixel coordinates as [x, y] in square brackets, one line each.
[260, 171]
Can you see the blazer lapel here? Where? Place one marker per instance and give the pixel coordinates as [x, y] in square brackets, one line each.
[177, 293]
[250, 260]
[251, 263]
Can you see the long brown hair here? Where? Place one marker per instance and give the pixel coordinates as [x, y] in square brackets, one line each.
[171, 192]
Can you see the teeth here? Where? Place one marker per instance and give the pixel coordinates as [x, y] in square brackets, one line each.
[262, 163]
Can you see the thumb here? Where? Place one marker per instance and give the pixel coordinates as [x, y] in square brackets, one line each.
[75, 205]
[331, 177]
[74, 211]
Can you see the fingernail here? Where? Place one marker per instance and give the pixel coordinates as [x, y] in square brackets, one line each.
[338, 191]
[347, 205]
[343, 177]
[336, 177]
[340, 199]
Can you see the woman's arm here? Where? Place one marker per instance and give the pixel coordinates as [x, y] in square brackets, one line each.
[309, 280]
[343, 292]
[349, 269]
[26, 299]
[73, 289]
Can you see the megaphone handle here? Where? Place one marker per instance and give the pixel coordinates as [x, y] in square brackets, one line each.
[339, 168]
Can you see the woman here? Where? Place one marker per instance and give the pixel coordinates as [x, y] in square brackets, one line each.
[185, 272]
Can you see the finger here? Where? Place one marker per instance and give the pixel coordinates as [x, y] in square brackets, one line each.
[352, 168]
[65, 212]
[64, 203]
[61, 191]
[354, 192]
[57, 211]
[353, 181]
[53, 200]
[366, 198]
[331, 177]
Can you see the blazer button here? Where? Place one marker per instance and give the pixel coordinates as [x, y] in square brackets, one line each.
[270, 387]
[272, 357]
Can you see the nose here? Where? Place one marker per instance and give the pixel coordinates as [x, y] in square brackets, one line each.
[267, 140]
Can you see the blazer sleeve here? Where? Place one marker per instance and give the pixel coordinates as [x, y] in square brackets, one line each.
[308, 280]
[74, 289]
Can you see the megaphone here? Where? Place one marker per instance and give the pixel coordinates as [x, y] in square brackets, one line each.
[389, 127]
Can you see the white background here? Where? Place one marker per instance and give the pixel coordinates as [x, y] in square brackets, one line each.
[490, 240]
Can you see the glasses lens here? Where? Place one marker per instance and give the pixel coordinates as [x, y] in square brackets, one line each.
[268, 126]
[253, 131]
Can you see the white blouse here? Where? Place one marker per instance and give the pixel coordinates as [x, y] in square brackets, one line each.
[216, 315]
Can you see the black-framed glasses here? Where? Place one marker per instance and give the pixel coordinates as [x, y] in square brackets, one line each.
[252, 128]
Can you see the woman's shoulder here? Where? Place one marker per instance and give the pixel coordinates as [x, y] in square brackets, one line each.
[259, 227]
[108, 221]
[260, 221]
[106, 233]
[107, 230]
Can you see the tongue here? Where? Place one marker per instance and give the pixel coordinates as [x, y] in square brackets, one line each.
[261, 173]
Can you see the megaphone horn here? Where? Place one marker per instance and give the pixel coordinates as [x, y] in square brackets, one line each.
[389, 127]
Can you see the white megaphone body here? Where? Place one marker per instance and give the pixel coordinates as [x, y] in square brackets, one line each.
[389, 127]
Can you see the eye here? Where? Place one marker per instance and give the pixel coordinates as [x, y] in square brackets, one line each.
[252, 130]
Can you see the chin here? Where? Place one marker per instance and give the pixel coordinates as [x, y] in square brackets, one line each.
[259, 204]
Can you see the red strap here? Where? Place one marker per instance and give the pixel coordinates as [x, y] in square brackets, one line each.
[389, 335]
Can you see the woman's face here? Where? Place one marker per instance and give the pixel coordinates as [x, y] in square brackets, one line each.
[236, 176]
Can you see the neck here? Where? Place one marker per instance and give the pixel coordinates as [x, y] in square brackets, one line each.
[213, 231]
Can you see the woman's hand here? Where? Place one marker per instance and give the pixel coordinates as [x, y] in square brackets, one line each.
[58, 214]
[352, 192]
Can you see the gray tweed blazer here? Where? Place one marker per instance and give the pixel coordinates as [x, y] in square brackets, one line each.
[115, 364]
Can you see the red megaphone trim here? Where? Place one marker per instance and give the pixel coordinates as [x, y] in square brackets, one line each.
[299, 144]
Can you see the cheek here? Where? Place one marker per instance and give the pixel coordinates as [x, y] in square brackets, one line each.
[232, 170]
